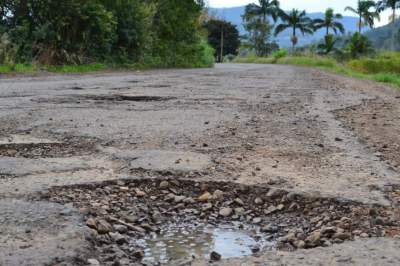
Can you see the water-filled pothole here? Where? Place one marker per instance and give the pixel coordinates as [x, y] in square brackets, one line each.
[133, 220]
[177, 241]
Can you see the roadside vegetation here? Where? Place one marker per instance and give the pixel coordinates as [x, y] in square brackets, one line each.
[88, 35]
[339, 51]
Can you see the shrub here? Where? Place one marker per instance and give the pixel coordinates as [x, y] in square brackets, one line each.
[280, 54]
[374, 66]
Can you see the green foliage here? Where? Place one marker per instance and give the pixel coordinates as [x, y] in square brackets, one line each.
[367, 12]
[125, 32]
[359, 45]
[281, 53]
[218, 28]
[258, 27]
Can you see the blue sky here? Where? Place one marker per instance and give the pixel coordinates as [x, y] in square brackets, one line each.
[309, 5]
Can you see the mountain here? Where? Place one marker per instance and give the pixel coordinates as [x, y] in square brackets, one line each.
[234, 15]
[381, 37]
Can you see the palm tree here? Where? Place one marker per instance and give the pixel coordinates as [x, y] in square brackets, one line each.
[264, 9]
[330, 22]
[366, 16]
[295, 20]
[393, 5]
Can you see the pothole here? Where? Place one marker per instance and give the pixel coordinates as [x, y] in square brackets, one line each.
[160, 221]
[26, 146]
[105, 98]
[177, 241]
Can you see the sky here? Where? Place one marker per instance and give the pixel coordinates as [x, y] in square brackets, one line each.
[308, 5]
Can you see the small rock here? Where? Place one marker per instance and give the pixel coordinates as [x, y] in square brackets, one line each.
[269, 229]
[140, 193]
[215, 256]
[314, 239]
[300, 244]
[239, 211]
[205, 197]
[103, 227]
[218, 194]
[206, 207]
[118, 238]
[91, 223]
[257, 220]
[225, 212]
[179, 199]
[364, 235]
[258, 201]
[239, 201]
[342, 236]
[164, 185]
[120, 228]
[93, 262]
[124, 189]
[139, 254]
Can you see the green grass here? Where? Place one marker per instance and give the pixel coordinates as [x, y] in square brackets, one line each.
[76, 68]
[377, 69]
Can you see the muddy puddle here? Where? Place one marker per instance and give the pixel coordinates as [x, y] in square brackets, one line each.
[176, 242]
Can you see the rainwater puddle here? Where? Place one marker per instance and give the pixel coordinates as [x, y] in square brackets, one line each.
[179, 242]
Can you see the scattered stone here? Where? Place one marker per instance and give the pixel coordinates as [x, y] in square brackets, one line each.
[225, 212]
[215, 256]
[139, 254]
[257, 220]
[239, 211]
[205, 197]
[342, 236]
[103, 227]
[218, 194]
[164, 185]
[120, 228]
[269, 229]
[91, 223]
[314, 239]
[93, 262]
[239, 201]
[300, 244]
[140, 193]
[124, 189]
[258, 201]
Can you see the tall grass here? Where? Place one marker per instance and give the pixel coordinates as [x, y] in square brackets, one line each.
[385, 67]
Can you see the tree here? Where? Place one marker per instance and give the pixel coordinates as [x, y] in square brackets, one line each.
[257, 24]
[230, 37]
[330, 21]
[365, 14]
[295, 20]
[393, 5]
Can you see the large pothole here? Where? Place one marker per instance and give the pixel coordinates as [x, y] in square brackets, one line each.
[105, 98]
[162, 221]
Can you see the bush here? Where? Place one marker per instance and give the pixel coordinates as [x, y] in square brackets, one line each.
[280, 54]
[359, 45]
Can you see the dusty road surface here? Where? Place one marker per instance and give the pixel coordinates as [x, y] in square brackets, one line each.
[93, 167]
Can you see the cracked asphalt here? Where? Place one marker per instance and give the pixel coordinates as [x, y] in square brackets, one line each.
[293, 128]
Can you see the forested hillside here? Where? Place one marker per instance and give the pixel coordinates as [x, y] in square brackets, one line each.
[381, 37]
[147, 32]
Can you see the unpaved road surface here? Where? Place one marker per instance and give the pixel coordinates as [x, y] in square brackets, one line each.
[300, 130]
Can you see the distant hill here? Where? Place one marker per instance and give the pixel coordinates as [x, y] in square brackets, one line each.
[234, 15]
[381, 37]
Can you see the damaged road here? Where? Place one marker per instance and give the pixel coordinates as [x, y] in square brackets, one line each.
[106, 169]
